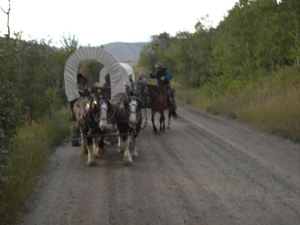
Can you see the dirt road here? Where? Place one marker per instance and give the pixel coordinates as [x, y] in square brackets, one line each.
[205, 170]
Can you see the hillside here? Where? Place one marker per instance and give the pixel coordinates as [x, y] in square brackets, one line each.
[125, 52]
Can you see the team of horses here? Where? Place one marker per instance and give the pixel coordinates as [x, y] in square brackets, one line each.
[97, 113]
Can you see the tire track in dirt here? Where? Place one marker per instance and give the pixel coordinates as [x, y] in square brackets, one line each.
[205, 170]
[185, 185]
[254, 176]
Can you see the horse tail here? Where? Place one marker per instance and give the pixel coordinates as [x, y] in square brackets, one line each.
[174, 114]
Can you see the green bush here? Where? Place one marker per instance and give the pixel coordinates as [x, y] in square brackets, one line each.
[270, 103]
[26, 159]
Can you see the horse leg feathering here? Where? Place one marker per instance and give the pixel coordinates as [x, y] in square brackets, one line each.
[98, 147]
[90, 158]
[127, 156]
[133, 147]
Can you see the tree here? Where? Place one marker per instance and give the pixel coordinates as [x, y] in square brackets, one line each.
[155, 51]
[291, 9]
[10, 105]
[7, 13]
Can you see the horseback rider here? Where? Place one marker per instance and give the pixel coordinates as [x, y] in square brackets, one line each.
[163, 77]
[142, 79]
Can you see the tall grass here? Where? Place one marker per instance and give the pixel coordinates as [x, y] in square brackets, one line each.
[270, 103]
[26, 160]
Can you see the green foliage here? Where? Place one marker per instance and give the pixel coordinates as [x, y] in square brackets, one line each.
[26, 159]
[270, 102]
[154, 51]
[92, 72]
[32, 76]
[256, 37]
[36, 71]
[10, 116]
[10, 104]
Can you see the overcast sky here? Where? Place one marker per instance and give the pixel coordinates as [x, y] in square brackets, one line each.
[101, 22]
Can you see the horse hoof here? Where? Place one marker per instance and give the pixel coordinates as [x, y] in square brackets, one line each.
[128, 161]
[84, 151]
[120, 150]
[135, 155]
[91, 163]
[100, 153]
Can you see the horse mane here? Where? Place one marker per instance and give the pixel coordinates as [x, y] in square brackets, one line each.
[117, 105]
[118, 98]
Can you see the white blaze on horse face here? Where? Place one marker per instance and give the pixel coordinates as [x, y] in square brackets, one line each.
[132, 116]
[103, 116]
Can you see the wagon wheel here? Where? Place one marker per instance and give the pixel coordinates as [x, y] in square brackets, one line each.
[75, 136]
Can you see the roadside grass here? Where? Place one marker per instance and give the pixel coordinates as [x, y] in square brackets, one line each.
[270, 104]
[26, 161]
[276, 111]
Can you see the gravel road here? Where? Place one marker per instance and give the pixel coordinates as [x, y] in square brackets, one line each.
[205, 170]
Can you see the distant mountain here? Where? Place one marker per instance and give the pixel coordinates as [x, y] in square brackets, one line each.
[125, 52]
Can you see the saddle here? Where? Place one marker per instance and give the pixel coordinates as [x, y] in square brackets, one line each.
[167, 90]
[170, 94]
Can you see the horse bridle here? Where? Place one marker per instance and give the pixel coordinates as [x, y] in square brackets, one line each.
[127, 114]
[104, 108]
[101, 107]
[142, 93]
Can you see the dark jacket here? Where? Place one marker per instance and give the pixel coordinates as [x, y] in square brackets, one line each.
[159, 74]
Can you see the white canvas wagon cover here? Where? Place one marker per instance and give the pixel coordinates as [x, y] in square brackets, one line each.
[126, 70]
[85, 56]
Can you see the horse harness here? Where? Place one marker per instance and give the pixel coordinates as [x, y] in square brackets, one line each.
[91, 116]
[123, 116]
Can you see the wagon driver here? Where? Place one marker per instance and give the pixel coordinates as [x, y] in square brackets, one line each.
[82, 86]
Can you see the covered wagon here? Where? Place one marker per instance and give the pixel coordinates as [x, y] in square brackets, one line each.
[126, 70]
[78, 62]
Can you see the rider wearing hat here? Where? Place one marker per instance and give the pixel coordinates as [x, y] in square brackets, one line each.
[163, 77]
[83, 90]
[82, 85]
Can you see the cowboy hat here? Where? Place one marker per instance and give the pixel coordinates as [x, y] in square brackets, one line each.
[80, 76]
[160, 65]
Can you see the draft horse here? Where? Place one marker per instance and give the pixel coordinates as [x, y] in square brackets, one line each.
[91, 117]
[154, 97]
[127, 117]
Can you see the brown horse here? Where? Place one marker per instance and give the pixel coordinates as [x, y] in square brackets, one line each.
[153, 97]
